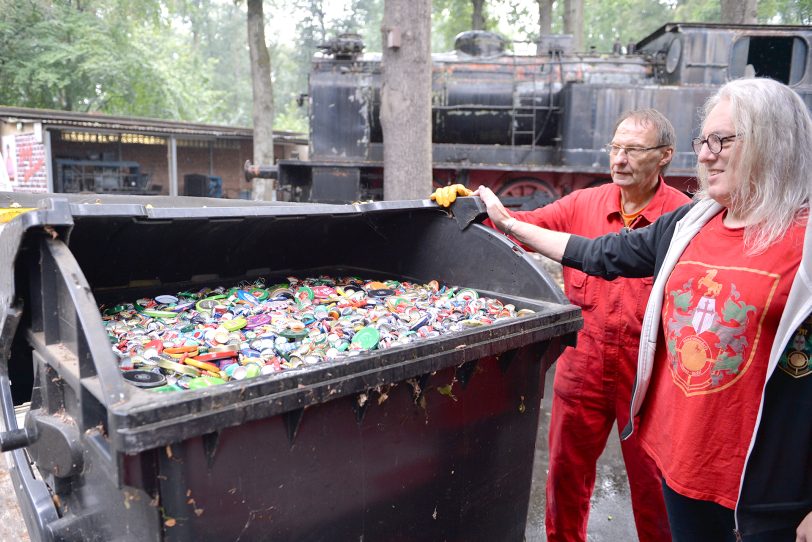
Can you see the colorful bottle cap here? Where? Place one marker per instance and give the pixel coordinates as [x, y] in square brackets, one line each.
[466, 294]
[225, 348]
[381, 292]
[293, 334]
[235, 323]
[257, 320]
[260, 294]
[247, 297]
[115, 310]
[175, 367]
[166, 388]
[282, 292]
[366, 338]
[270, 368]
[249, 370]
[209, 303]
[205, 381]
[323, 292]
[304, 292]
[144, 379]
[160, 314]
[214, 356]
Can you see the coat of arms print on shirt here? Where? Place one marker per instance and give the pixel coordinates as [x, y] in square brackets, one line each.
[713, 323]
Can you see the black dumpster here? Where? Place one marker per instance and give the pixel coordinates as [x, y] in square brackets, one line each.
[428, 441]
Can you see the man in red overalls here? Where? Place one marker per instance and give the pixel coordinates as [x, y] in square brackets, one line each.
[592, 386]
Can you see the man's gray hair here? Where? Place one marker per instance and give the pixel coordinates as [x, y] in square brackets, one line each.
[651, 117]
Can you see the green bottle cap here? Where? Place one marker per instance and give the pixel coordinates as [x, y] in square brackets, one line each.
[366, 338]
[205, 381]
[235, 324]
[160, 314]
[167, 387]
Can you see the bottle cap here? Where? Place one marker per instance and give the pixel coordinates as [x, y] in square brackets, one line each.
[249, 370]
[175, 367]
[293, 334]
[381, 292]
[205, 381]
[160, 314]
[235, 323]
[366, 338]
[144, 379]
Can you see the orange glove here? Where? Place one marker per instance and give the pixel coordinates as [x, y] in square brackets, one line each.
[446, 195]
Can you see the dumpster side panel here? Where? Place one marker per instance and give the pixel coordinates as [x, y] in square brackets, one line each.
[443, 462]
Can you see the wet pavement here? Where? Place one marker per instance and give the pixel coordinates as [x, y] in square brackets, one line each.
[610, 514]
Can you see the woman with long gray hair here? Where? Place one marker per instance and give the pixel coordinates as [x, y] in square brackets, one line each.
[724, 378]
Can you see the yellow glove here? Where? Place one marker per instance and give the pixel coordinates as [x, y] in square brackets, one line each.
[446, 195]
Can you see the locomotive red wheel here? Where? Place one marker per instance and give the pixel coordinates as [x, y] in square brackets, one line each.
[524, 187]
[599, 182]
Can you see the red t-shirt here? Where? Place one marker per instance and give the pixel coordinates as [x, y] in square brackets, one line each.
[719, 316]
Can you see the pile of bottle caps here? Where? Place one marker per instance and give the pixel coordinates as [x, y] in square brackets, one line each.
[191, 340]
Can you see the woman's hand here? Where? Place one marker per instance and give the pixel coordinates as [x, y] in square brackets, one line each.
[549, 243]
[804, 531]
[496, 211]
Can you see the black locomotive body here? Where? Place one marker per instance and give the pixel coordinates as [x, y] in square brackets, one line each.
[532, 126]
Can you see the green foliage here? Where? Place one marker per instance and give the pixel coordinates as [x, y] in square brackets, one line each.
[785, 11]
[608, 21]
[188, 59]
[621, 20]
[81, 57]
[449, 18]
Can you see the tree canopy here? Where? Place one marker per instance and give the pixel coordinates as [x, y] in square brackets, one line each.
[188, 59]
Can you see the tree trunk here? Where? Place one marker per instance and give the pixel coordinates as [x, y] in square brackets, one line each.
[406, 99]
[262, 189]
[739, 11]
[545, 22]
[574, 22]
[478, 15]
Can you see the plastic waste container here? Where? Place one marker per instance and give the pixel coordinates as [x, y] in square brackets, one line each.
[432, 440]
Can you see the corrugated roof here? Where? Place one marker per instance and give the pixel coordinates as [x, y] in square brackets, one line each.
[95, 121]
[671, 27]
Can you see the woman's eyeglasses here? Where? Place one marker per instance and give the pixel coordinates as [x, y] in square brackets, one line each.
[715, 143]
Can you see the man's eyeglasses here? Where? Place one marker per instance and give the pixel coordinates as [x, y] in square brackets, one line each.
[631, 152]
[715, 143]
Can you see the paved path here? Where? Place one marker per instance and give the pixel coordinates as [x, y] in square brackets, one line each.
[610, 517]
[12, 526]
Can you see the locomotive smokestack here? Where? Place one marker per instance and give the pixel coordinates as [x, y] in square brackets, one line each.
[344, 46]
[479, 43]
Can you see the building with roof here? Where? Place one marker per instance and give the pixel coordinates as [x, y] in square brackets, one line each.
[64, 151]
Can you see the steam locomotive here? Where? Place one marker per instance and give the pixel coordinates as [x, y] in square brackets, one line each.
[532, 127]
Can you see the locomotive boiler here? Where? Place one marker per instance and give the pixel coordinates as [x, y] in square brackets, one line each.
[531, 127]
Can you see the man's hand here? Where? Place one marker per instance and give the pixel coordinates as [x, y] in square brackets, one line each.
[446, 195]
[804, 531]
